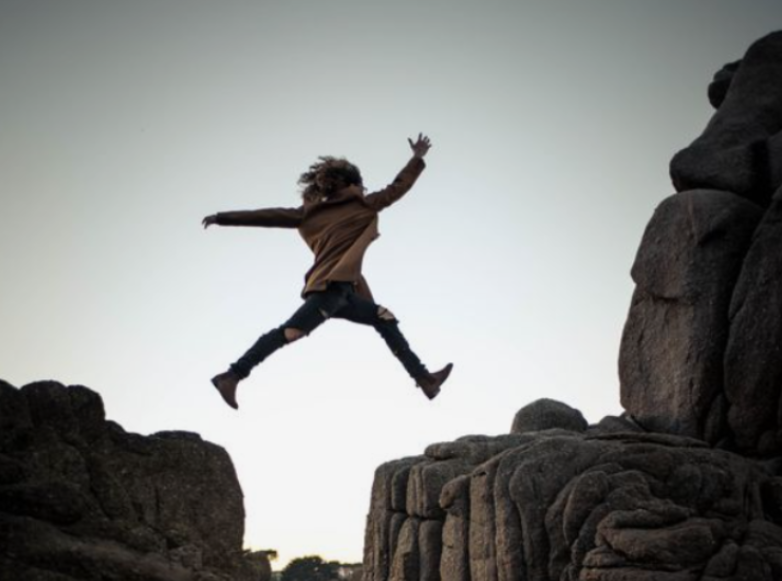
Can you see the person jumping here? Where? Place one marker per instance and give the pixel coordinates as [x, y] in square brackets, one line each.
[338, 221]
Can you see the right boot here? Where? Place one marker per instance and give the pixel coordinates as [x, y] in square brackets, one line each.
[430, 382]
[226, 384]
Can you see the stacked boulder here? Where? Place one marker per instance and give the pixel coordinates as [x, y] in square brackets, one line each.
[687, 484]
[700, 354]
[82, 499]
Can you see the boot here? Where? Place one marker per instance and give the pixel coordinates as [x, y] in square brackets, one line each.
[226, 384]
[430, 382]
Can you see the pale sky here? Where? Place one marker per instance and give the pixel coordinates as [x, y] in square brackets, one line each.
[122, 124]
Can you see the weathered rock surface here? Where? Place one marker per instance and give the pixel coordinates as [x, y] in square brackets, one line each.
[671, 355]
[700, 352]
[574, 505]
[733, 153]
[546, 414]
[81, 499]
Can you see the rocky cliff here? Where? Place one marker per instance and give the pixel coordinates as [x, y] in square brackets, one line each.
[687, 484]
[82, 499]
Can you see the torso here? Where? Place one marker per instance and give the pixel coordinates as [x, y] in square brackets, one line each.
[338, 232]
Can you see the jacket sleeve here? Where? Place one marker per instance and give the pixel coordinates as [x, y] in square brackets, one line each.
[399, 187]
[268, 217]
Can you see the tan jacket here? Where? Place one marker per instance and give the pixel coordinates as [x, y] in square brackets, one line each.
[338, 230]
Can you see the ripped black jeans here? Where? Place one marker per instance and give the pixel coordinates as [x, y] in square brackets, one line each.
[339, 300]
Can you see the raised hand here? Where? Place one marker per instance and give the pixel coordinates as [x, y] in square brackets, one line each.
[421, 145]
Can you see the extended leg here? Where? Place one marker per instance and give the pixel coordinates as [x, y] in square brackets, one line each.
[388, 327]
[315, 310]
[227, 382]
[359, 310]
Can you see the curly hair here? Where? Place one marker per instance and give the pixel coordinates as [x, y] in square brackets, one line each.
[327, 176]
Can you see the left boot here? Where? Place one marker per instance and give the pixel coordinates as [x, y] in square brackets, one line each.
[430, 382]
[226, 383]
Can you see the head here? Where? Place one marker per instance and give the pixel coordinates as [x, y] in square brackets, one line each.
[327, 176]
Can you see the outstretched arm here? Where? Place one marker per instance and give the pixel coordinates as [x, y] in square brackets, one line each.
[405, 178]
[269, 218]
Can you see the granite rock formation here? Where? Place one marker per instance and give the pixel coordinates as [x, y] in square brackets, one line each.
[596, 505]
[685, 485]
[82, 499]
[736, 152]
[699, 353]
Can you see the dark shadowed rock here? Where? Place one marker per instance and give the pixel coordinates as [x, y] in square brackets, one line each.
[732, 154]
[671, 355]
[546, 414]
[14, 413]
[614, 424]
[57, 501]
[81, 499]
[753, 360]
[718, 88]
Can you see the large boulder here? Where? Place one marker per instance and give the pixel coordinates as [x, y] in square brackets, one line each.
[671, 354]
[735, 153]
[82, 499]
[547, 414]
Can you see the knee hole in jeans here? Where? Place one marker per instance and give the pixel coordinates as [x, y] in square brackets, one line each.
[293, 334]
[384, 314]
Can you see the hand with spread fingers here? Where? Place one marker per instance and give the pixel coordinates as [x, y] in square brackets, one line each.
[421, 145]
